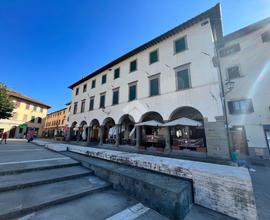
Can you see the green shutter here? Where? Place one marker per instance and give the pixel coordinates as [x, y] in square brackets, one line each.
[183, 79]
[154, 87]
[180, 45]
[102, 101]
[153, 56]
[132, 92]
[115, 97]
[133, 65]
[116, 73]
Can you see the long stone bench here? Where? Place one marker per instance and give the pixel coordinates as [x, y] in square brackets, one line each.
[225, 189]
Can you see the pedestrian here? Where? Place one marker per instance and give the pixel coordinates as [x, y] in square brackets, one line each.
[4, 137]
[30, 135]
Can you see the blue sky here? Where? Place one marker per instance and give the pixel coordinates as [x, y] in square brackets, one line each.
[47, 45]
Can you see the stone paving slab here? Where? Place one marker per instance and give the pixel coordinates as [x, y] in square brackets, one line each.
[225, 189]
[23, 166]
[98, 206]
[26, 179]
[18, 202]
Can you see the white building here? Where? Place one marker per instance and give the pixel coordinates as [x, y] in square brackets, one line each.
[245, 64]
[167, 78]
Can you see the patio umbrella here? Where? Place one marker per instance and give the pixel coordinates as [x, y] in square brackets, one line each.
[183, 121]
[152, 123]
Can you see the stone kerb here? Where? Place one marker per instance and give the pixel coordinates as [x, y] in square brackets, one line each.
[221, 188]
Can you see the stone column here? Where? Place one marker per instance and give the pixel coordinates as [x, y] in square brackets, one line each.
[89, 135]
[138, 136]
[117, 140]
[68, 135]
[101, 133]
[167, 140]
[78, 135]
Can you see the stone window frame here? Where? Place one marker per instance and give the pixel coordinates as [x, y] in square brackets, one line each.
[179, 68]
[155, 76]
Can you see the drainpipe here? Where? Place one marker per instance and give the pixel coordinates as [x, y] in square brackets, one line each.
[223, 98]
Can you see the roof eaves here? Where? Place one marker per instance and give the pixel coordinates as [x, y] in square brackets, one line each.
[215, 18]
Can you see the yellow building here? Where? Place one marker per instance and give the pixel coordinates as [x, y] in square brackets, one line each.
[55, 124]
[27, 114]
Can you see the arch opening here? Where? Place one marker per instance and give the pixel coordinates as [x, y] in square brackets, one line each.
[109, 134]
[189, 134]
[127, 135]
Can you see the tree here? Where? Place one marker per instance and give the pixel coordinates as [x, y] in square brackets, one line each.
[6, 104]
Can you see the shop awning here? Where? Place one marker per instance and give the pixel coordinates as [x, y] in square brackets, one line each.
[183, 121]
[152, 123]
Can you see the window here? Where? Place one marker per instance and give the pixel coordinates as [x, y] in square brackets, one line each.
[154, 85]
[18, 104]
[93, 83]
[153, 56]
[27, 106]
[233, 72]
[133, 66]
[75, 108]
[63, 120]
[39, 120]
[77, 91]
[91, 103]
[102, 101]
[84, 87]
[115, 98]
[240, 106]
[104, 79]
[82, 106]
[32, 119]
[266, 36]
[116, 73]
[41, 109]
[35, 108]
[180, 45]
[183, 78]
[229, 50]
[132, 91]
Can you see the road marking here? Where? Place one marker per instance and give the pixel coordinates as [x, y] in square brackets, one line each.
[130, 213]
[32, 161]
[22, 150]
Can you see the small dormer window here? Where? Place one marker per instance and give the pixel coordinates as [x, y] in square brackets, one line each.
[266, 37]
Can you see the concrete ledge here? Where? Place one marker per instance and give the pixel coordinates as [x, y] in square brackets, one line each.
[225, 189]
[40, 143]
[56, 147]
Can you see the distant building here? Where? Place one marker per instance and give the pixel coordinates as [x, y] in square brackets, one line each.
[55, 124]
[245, 63]
[28, 114]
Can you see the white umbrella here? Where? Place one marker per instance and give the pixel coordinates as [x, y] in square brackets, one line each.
[152, 123]
[132, 132]
[112, 131]
[183, 121]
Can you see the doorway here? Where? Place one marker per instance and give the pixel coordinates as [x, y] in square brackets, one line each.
[266, 129]
[239, 140]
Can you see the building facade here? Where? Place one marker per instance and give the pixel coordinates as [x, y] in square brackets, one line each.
[245, 63]
[163, 95]
[55, 124]
[27, 114]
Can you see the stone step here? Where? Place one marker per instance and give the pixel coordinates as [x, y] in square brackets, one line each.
[19, 202]
[8, 168]
[108, 204]
[170, 196]
[33, 178]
